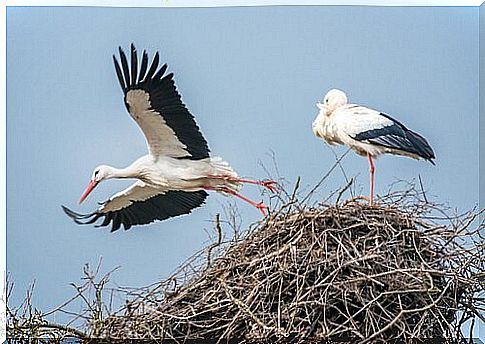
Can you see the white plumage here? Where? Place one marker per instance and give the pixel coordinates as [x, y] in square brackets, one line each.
[367, 132]
[161, 139]
[174, 177]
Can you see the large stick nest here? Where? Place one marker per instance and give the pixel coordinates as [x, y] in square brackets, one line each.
[348, 270]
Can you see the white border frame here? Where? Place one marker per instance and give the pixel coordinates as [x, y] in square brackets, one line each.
[142, 3]
[229, 3]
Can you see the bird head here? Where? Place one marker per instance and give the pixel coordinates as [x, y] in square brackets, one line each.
[332, 100]
[100, 173]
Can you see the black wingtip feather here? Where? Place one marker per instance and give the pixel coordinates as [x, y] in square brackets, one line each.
[116, 221]
[81, 219]
[161, 71]
[124, 65]
[134, 65]
[119, 74]
[153, 67]
[422, 146]
[144, 65]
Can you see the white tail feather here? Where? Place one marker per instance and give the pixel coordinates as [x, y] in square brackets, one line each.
[222, 168]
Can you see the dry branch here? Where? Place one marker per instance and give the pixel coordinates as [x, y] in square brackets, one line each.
[352, 271]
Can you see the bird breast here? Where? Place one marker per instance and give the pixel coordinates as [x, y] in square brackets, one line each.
[324, 127]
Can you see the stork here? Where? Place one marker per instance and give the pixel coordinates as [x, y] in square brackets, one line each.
[175, 175]
[367, 132]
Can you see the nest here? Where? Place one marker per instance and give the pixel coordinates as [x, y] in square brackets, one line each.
[351, 271]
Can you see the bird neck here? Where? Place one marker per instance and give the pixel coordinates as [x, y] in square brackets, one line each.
[122, 173]
[321, 118]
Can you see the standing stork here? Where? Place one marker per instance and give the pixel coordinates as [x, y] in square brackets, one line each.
[367, 132]
[175, 175]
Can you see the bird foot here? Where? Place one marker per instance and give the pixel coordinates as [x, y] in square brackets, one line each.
[270, 185]
[262, 208]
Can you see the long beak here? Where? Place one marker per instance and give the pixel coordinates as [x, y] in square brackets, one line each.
[88, 190]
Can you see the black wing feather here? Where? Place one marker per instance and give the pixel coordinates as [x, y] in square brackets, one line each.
[153, 67]
[106, 222]
[134, 65]
[165, 100]
[160, 207]
[116, 221]
[119, 74]
[397, 136]
[144, 65]
[162, 71]
[126, 71]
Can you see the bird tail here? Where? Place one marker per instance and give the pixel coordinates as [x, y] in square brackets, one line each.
[222, 168]
[422, 146]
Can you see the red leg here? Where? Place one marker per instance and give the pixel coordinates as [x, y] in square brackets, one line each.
[260, 206]
[269, 184]
[371, 176]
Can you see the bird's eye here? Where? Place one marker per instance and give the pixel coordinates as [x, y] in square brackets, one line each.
[96, 173]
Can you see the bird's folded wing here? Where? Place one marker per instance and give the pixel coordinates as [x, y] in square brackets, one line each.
[355, 120]
[370, 126]
[140, 204]
[155, 104]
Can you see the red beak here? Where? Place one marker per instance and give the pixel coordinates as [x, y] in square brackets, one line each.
[88, 190]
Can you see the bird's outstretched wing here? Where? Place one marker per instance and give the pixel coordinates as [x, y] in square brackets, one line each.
[154, 103]
[140, 204]
[370, 126]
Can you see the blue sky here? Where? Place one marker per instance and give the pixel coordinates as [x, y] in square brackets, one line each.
[251, 76]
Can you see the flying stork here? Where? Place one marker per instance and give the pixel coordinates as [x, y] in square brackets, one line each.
[176, 174]
[367, 132]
